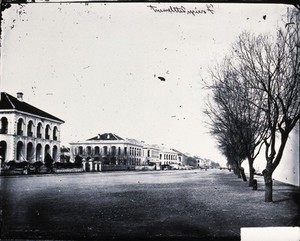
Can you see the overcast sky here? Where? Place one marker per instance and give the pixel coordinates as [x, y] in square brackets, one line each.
[96, 65]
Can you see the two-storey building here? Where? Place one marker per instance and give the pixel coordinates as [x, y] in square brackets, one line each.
[26, 132]
[108, 148]
[181, 157]
[151, 155]
[168, 157]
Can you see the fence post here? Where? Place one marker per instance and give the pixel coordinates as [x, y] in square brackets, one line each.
[84, 165]
[254, 184]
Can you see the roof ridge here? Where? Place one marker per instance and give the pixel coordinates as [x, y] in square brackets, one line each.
[16, 104]
[14, 107]
[118, 138]
[105, 135]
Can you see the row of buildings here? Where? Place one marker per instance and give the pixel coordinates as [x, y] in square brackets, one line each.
[112, 149]
[29, 134]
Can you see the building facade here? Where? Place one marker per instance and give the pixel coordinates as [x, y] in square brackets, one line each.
[181, 157]
[108, 148]
[203, 162]
[26, 132]
[151, 155]
[168, 157]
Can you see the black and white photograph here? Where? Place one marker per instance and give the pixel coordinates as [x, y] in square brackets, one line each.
[149, 120]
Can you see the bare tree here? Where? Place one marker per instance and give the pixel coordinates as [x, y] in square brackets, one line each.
[238, 127]
[269, 68]
[231, 148]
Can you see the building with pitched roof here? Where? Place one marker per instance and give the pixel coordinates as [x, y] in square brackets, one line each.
[109, 149]
[181, 157]
[26, 132]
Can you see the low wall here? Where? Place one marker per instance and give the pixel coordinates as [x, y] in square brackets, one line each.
[67, 170]
[288, 170]
[13, 172]
[117, 168]
[40, 171]
[145, 168]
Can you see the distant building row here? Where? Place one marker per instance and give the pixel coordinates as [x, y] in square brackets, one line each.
[112, 149]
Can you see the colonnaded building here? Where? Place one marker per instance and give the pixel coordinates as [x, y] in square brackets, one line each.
[110, 149]
[27, 133]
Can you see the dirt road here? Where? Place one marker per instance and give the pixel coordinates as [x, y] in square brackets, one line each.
[177, 205]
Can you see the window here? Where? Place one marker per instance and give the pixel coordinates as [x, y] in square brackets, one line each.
[30, 152]
[54, 153]
[29, 129]
[89, 150]
[38, 155]
[47, 132]
[3, 150]
[39, 131]
[4, 125]
[113, 151]
[20, 151]
[105, 150]
[47, 152]
[97, 150]
[20, 127]
[55, 133]
[80, 150]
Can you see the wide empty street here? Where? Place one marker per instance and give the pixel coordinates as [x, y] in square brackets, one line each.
[182, 204]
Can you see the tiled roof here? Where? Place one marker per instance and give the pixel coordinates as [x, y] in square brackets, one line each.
[106, 137]
[136, 142]
[179, 152]
[8, 102]
[166, 149]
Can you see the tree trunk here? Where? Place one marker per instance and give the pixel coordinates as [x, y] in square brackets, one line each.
[243, 174]
[251, 176]
[251, 172]
[271, 166]
[238, 173]
[268, 186]
[241, 171]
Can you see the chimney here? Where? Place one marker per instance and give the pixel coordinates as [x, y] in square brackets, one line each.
[20, 96]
